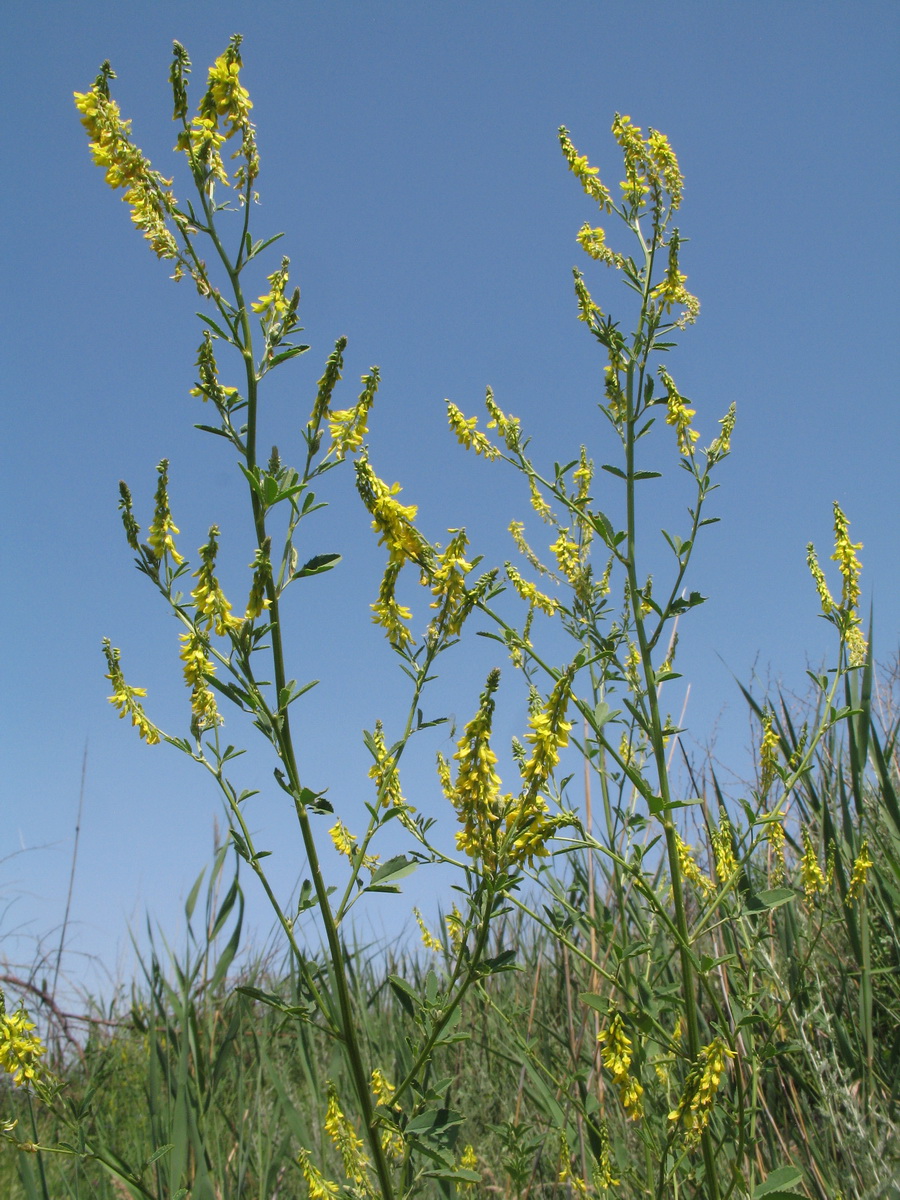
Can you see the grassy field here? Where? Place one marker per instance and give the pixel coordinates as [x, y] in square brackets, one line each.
[193, 1060]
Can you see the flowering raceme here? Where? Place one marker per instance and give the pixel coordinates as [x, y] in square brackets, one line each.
[20, 1049]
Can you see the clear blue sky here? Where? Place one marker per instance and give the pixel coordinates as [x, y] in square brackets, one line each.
[409, 152]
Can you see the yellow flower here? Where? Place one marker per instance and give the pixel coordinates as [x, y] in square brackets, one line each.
[159, 533]
[429, 941]
[348, 1143]
[468, 435]
[447, 578]
[548, 733]
[319, 1187]
[723, 849]
[348, 427]
[858, 876]
[20, 1049]
[208, 597]
[475, 793]
[616, 1056]
[124, 698]
[125, 167]
[768, 751]
[689, 868]
[385, 772]
[584, 172]
[679, 415]
[811, 873]
[197, 669]
[258, 601]
[700, 1089]
[530, 593]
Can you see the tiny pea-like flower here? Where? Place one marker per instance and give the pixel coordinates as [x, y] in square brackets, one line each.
[274, 305]
[469, 1162]
[774, 831]
[208, 597]
[467, 433]
[258, 601]
[679, 414]
[593, 242]
[861, 867]
[227, 98]
[429, 941]
[529, 592]
[588, 311]
[517, 532]
[208, 386]
[701, 1086]
[159, 533]
[586, 175]
[616, 1053]
[671, 291]
[689, 868]
[196, 669]
[509, 427]
[456, 928]
[811, 874]
[602, 1174]
[348, 427]
[347, 1141]
[385, 771]
[548, 733]
[20, 1048]
[319, 1188]
[565, 1173]
[125, 698]
[663, 158]
[768, 751]
[722, 838]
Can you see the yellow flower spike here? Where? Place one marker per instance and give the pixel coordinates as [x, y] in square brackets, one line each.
[475, 794]
[208, 386]
[634, 187]
[672, 291]
[391, 519]
[467, 433]
[588, 311]
[586, 175]
[602, 1173]
[274, 305]
[615, 1045]
[768, 751]
[811, 874]
[846, 558]
[548, 734]
[455, 928]
[700, 1089]
[530, 593]
[723, 850]
[774, 831]
[679, 414]
[593, 242]
[228, 99]
[347, 1142]
[689, 868]
[258, 601]
[508, 427]
[388, 613]
[125, 167]
[319, 1187]
[161, 528]
[385, 772]
[124, 698]
[348, 427]
[861, 867]
[538, 503]
[665, 163]
[197, 669]
[209, 599]
[447, 580]
[429, 941]
[20, 1049]
[721, 445]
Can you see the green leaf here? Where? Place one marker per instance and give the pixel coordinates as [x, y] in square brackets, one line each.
[776, 1181]
[647, 475]
[286, 354]
[614, 471]
[763, 901]
[405, 993]
[317, 565]
[395, 868]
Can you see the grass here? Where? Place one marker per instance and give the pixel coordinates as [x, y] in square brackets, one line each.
[195, 1061]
